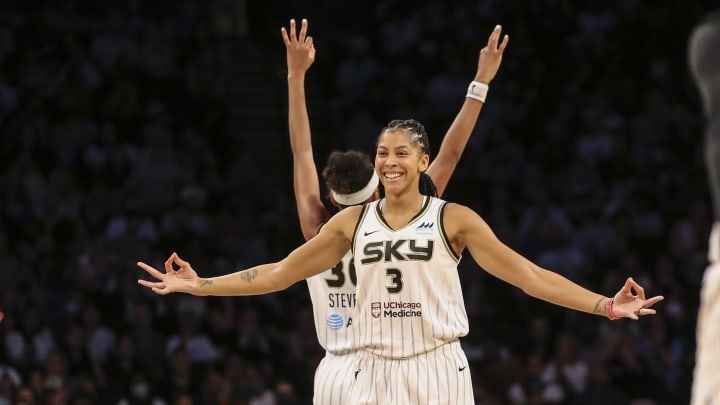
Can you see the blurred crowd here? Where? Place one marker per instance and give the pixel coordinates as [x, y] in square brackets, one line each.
[116, 147]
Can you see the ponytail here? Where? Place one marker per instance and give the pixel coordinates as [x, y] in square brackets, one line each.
[427, 186]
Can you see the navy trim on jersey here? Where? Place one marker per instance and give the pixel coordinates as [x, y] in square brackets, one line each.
[443, 234]
[361, 217]
[381, 218]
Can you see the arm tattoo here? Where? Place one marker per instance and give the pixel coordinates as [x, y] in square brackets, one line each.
[204, 282]
[598, 306]
[248, 276]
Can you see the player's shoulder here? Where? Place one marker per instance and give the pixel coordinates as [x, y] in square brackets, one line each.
[352, 211]
[453, 208]
[345, 219]
[457, 217]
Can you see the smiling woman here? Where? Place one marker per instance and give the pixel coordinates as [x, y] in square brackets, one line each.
[410, 312]
[352, 180]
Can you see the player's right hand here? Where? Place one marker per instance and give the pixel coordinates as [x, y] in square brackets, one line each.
[300, 49]
[185, 279]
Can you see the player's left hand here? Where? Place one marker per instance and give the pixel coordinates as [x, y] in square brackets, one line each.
[633, 305]
[491, 56]
[300, 48]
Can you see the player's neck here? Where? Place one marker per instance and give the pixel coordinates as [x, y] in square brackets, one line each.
[407, 203]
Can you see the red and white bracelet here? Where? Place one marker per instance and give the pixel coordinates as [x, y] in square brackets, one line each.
[609, 309]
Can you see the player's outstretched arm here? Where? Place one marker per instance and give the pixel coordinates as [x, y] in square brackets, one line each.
[453, 144]
[313, 257]
[179, 276]
[300, 56]
[466, 229]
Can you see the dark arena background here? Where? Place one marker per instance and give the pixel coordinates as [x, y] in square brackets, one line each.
[133, 129]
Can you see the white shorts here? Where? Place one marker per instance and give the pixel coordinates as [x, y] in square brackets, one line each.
[440, 377]
[706, 378]
[333, 378]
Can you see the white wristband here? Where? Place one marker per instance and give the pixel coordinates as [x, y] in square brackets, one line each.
[477, 90]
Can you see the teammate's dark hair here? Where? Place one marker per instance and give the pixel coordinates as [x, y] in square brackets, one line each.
[347, 172]
[418, 136]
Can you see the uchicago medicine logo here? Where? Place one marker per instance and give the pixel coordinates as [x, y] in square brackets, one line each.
[395, 309]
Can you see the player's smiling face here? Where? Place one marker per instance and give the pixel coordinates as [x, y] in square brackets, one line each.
[398, 161]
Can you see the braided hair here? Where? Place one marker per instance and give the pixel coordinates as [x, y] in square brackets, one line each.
[418, 136]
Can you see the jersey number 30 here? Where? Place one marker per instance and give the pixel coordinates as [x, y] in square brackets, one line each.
[339, 279]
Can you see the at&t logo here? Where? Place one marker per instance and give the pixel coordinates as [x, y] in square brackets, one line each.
[335, 321]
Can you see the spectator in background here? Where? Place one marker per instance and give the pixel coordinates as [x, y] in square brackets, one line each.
[25, 396]
[147, 342]
[190, 339]
[101, 339]
[10, 380]
[29, 345]
[140, 392]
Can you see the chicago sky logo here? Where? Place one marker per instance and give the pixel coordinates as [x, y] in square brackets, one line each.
[335, 322]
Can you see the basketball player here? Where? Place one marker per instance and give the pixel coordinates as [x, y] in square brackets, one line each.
[410, 312]
[704, 61]
[350, 176]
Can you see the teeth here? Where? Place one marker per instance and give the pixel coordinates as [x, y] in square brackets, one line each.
[392, 176]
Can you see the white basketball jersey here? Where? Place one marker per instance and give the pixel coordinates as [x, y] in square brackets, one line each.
[333, 298]
[408, 293]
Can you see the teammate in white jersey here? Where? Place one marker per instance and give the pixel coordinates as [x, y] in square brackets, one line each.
[420, 360]
[351, 179]
[704, 61]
